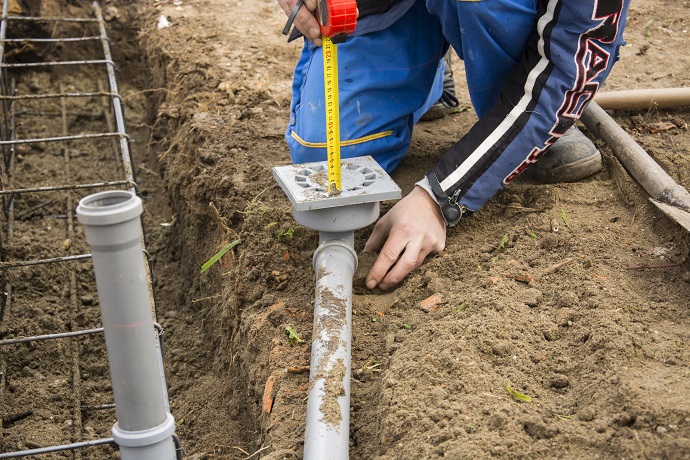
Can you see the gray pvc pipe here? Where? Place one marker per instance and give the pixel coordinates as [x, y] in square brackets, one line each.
[634, 159]
[328, 407]
[112, 225]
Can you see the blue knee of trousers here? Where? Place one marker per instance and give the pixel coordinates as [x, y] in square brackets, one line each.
[386, 80]
[490, 36]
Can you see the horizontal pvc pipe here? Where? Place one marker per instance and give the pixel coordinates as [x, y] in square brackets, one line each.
[643, 98]
[328, 408]
[112, 225]
[634, 159]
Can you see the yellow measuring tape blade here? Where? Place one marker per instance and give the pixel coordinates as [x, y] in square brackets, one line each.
[330, 75]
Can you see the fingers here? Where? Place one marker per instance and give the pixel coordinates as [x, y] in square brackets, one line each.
[378, 236]
[410, 259]
[307, 24]
[388, 256]
[410, 231]
[305, 20]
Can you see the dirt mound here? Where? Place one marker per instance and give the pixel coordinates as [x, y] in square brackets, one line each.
[573, 295]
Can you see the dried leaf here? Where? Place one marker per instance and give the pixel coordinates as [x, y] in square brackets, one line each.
[526, 278]
[660, 127]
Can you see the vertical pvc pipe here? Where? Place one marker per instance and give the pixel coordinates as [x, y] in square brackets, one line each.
[144, 428]
[328, 408]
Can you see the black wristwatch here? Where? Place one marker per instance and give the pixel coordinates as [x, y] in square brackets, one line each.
[452, 210]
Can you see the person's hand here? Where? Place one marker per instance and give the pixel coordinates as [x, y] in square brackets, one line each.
[305, 21]
[410, 231]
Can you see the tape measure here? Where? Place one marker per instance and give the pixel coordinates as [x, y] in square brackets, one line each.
[337, 19]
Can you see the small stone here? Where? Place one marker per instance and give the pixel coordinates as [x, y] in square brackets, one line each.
[550, 241]
[587, 414]
[525, 278]
[171, 314]
[110, 13]
[35, 312]
[530, 297]
[565, 317]
[501, 348]
[551, 334]
[87, 300]
[431, 303]
[661, 430]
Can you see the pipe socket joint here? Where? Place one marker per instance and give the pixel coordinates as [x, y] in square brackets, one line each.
[109, 208]
[145, 438]
[155, 443]
[111, 219]
[330, 247]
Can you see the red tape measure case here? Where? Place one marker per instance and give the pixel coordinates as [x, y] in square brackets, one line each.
[337, 17]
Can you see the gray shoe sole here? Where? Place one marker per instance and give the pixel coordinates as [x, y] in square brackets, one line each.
[572, 158]
[571, 172]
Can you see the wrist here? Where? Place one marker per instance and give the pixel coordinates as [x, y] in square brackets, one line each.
[425, 191]
[450, 209]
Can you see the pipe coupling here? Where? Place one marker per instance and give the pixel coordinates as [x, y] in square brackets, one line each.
[145, 438]
[331, 245]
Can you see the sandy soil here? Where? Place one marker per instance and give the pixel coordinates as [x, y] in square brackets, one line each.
[598, 337]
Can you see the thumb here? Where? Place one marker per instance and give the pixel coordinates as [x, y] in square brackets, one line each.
[377, 238]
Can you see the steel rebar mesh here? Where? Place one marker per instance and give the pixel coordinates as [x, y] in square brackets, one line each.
[62, 136]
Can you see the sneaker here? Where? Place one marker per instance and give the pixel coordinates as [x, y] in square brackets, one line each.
[448, 101]
[439, 110]
[572, 158]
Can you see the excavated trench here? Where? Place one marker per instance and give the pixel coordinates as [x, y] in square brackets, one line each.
[601, 348]
[68, 68]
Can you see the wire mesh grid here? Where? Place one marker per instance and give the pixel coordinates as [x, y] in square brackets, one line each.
[63, 136]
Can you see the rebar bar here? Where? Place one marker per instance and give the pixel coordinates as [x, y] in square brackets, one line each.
[63, 335]
[76, 137]
[56, 63]
[117, 104]
[67, 187]
[48, 19]
[64, 447]
[51, 96]
[13, 198]
[49, 40]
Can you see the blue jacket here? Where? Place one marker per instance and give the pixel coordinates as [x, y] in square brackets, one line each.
[563, 64]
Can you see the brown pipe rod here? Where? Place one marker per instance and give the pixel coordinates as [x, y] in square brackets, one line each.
[643, 98]
[634, 159]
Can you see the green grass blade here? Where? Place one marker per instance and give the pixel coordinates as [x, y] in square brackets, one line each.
[216, 257]
[518, 396]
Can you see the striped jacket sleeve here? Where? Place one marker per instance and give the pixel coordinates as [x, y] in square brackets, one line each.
[565, 61]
